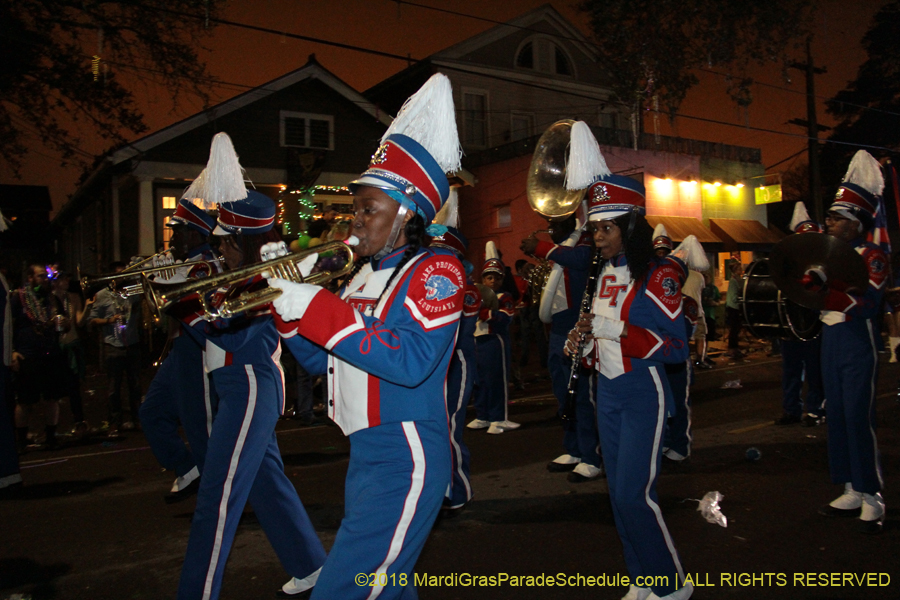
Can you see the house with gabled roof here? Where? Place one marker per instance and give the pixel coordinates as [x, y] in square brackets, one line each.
[306, 128]
[515, 79]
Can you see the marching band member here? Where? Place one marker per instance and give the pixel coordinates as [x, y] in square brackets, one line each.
[493, 351]
[849, 355]
[571, 253]
[635, 327]
[385, 343]
[461, 377]
[180, 392]
[242, 458]
[679, 437]
[801, 360]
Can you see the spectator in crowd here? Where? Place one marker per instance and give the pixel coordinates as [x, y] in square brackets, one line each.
[711, 298]
[120, 321]
[37, 358]
[9, 461]
[732, 311]
[74, 310]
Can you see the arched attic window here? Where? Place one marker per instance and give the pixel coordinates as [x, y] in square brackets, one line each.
[542, 54]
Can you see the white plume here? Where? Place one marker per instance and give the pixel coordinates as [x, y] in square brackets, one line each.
[865, 172]
[691, 252]
[429, 117]
[4, 223]
[223, 178]
[800, 215]
[585, 162]
[660, 230]
[449, 213]
[490, 251]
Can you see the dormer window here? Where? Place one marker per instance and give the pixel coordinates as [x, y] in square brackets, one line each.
[525, 59]
[543, 55]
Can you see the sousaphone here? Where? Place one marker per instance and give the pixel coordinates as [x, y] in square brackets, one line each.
[548, 197]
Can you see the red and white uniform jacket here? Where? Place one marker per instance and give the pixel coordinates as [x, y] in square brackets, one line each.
[496, 321]
[653, 310]
[842, 307]
[388, 362]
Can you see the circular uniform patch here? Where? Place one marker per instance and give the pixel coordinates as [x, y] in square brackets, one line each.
[437, 289]
[664, 289]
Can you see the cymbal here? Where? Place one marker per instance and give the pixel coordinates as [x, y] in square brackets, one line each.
[795, 254]
[488, 297]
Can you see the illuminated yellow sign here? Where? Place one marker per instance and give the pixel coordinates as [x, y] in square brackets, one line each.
[767, 194]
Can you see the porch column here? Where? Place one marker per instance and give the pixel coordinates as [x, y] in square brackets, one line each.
[146, 220]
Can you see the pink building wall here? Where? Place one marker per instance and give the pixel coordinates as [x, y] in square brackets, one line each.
[501, 186]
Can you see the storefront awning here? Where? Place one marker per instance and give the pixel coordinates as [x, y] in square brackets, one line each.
[743, 234]
[679, 228]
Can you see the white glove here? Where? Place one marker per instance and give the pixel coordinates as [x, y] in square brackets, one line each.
[294, 299]
[607, 329]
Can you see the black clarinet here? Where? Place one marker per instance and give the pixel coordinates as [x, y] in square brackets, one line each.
[586, 300]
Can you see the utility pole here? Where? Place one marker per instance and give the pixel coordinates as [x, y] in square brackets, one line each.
[812, 128]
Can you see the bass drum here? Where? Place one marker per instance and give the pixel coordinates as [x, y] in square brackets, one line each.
[767, 313]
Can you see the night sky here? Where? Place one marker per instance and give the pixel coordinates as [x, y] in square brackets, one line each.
[242, 58]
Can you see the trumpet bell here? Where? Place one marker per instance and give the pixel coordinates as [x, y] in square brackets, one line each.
[546, 183]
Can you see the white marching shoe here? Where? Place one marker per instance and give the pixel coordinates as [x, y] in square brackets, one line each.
[872, 515]
[637, 593]
[501, 426]
[478, 424]
[298, 586]
[681, 594]
[846, 505]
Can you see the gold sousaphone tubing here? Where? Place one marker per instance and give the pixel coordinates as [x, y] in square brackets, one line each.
[161, 297]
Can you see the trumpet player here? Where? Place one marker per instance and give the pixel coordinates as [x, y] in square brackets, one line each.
[180, 391]
[635, 327]
[243, 461]
[385, 343]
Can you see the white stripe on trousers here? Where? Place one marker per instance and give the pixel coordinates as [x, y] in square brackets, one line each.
[206, 399]
[660, 423]
[226, 490]
[505, 380]
[417, 483]
[459, 406]
[872, 403]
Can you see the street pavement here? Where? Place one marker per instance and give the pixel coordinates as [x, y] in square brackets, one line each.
[90, 521]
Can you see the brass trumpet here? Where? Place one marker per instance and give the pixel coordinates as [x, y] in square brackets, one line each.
[92, 284]
[161, 297]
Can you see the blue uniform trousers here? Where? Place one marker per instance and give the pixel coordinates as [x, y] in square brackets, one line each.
[802, 361]
[580, 437]
[395, 486]
[678, 435]
[460, 380]
[849, 371]
[179, 394]
[492, 391]
[631, 416]
[243, 462]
